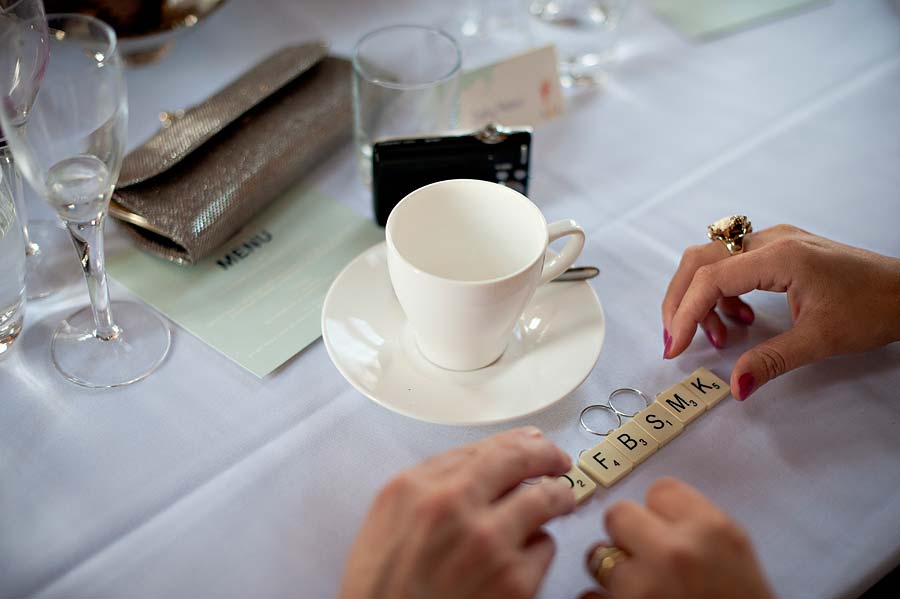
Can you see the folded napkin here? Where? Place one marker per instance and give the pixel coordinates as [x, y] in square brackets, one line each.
[213, 167]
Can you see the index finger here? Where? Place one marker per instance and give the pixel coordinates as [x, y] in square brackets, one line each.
[673, 500]
[761, 269]
[700, 255]
[499, 463]
[634, 529]
[693, 258]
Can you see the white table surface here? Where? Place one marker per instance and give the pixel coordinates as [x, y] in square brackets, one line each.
[206, 481]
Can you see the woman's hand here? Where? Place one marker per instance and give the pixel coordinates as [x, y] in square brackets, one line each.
[679, 545]
[842, 299]
[458, 526]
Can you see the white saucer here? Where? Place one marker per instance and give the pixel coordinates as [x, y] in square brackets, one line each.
[554, 347]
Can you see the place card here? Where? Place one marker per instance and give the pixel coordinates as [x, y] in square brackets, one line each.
[522, 90]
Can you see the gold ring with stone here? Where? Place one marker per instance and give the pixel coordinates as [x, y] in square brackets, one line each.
[603, 560]
[730, 231]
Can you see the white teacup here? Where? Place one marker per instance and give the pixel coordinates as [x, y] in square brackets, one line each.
[465, 257]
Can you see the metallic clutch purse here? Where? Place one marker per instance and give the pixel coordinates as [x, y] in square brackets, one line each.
[213, 167]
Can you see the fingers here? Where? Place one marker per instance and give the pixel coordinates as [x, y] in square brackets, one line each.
[503, 461]
[633, 528]
[715, 329]
[701, 255]
[737, 309]
[538, 555]
[673, 500]
[739, 274]
[521, 513]
[626, 579]
[694, 257]
[708, 253]
[796, 347]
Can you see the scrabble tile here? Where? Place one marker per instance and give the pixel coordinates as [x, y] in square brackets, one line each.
[658, 423]
[707, 386]
[581, 484]
[633, 442]
[605, 464]
[681, 403]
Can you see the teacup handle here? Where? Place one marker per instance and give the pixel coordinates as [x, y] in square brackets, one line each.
[570, 252]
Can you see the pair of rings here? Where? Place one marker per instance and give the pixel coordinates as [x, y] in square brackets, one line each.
[609, 406]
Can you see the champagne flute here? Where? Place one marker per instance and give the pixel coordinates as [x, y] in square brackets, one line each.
[12, 271]
[21, 70]
[70, 150]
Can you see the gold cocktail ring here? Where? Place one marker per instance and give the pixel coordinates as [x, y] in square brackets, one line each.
[730, 231]
[603, 560]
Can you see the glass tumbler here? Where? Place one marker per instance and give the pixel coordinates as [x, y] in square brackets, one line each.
[405, 84]
[585, 33]
[12, 270]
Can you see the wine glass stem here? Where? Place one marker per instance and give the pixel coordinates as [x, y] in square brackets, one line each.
[88, 240]
[10, 177]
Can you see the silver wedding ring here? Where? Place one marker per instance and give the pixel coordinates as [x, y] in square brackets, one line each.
[632, 390]
[610, 409]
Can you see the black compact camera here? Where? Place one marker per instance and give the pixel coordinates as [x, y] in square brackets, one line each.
[494, 153]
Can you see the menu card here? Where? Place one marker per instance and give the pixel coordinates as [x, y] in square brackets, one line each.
[259, 299]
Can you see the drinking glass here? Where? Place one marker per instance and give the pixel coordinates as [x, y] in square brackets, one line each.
[584, 32]
[70, 150]
[489, 31]
[21, 69]
[405, 84]
[12, 270]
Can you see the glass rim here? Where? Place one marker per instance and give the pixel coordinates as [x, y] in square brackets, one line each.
[111, 37]
[457, 65]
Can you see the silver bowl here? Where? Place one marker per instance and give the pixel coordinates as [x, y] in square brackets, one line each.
[179, 17]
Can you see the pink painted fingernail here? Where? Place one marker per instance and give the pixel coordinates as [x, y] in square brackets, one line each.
[667, 339]
[713, 340]
[746, 385]
[531, 431]
[746, 315]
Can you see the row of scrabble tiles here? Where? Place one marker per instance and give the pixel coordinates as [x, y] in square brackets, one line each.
[650, 429]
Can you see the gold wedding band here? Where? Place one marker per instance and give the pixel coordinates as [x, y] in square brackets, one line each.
[730, 231]
[603, 560]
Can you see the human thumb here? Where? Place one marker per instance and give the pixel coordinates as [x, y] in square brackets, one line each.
[772, 358]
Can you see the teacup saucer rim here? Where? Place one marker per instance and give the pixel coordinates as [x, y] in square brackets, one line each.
[332, 354]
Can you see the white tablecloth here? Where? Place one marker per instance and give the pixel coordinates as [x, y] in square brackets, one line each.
[206, 481]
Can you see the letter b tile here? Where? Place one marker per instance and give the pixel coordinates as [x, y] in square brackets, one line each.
[633, 442]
